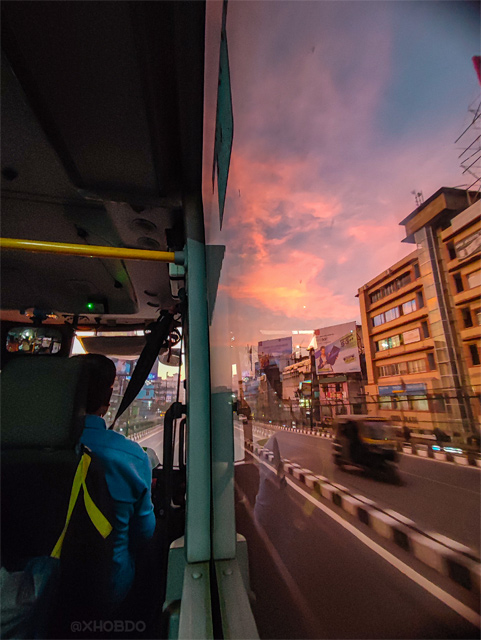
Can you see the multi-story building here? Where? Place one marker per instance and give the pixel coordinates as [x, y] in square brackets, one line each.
[461, 258]
[401, 372]
[420, 321]
[297, 391]
[320, 393]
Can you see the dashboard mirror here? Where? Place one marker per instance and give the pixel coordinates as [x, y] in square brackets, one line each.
[34, 340]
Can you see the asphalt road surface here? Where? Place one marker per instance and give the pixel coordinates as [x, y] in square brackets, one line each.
[438, 496]
[313, 578]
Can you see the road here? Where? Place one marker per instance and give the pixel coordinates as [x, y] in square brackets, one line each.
[438, 496]
[156, 442]
[318, 573]
[312, 578]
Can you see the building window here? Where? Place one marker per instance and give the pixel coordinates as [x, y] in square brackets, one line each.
[387, 316]
[402, 368]
[393, 286]
[377, 320]
[409, 307]
[388, 343]
[467, 319]
[452, 251]
[385, 402]
[431, 362]
[417, 272]
[438, 404]
[388, 370]
[419, 299]
[477, 316]
[395, 341]
[392, 314]
[458, 283]
[419, 403]
[417, 366]
[473, 349]
[474, 279]
[425, 328]
[401, 402]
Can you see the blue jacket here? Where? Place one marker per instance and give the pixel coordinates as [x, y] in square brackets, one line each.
[128, 474]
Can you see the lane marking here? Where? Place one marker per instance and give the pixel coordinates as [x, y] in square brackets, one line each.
[446, 598]
[297, 595]
[447, 484]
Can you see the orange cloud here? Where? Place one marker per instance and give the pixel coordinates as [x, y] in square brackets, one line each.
[290, 287]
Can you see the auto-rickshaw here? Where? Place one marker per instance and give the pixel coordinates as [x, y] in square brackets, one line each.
[365, 442]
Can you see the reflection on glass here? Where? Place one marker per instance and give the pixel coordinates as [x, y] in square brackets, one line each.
[35, 340]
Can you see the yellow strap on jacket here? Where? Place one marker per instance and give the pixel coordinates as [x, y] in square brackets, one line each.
[97, 518]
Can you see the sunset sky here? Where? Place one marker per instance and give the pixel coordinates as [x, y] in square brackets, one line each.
[341, 110]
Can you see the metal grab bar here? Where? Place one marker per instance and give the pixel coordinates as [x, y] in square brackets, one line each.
[91, 251]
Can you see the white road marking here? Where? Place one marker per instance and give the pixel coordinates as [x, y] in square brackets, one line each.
[447, 484]
[447, 599]
[291, 584]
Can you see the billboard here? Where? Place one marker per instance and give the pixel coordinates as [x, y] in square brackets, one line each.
[274, 352]
[124, 367]
[337, 350]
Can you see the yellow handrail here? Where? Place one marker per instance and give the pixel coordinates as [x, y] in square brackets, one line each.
[91, 251]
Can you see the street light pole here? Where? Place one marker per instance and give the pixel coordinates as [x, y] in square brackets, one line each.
[314, 383]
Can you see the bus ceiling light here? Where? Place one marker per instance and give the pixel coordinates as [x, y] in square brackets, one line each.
[93, 306]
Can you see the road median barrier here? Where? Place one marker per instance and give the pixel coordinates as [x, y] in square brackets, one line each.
[145, 433]
[449, 557]
[426, 451]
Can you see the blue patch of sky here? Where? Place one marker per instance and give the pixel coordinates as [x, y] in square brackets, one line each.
[432, 74]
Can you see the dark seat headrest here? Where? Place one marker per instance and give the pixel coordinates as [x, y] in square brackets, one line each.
[42, 402]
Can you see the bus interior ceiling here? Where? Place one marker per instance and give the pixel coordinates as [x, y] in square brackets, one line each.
[102, 145]
[101, 141]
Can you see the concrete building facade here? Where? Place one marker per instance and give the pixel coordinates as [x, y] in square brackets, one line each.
[421, 325]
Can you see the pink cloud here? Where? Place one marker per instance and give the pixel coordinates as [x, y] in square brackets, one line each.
[315, 194]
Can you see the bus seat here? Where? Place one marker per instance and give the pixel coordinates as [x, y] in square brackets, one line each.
[42, 410]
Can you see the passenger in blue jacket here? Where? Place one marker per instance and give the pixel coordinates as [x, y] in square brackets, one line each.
[128, 474]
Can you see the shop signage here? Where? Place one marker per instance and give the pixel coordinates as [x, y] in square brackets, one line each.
[391, 390]
[415, 389]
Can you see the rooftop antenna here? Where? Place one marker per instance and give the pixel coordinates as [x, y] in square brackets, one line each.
[418, 197]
